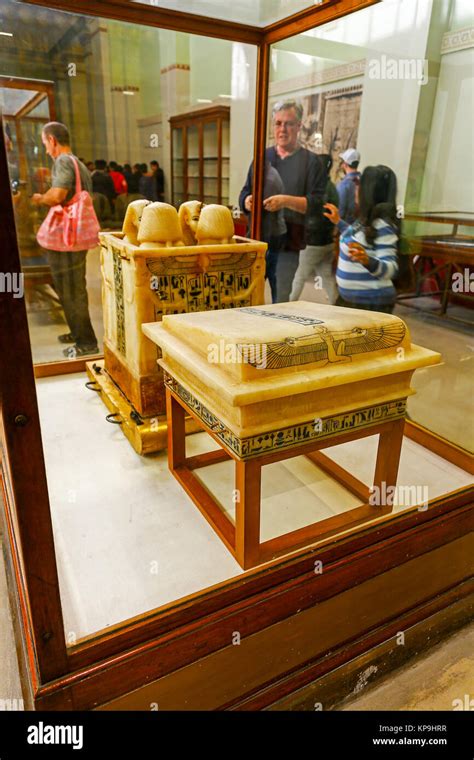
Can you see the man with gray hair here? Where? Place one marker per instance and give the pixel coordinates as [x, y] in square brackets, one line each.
[304, 185]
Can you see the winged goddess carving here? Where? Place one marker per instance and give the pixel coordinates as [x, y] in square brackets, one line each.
[324, 346]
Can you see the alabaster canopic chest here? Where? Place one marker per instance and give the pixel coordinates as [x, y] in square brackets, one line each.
[272, 382]
[144, 284]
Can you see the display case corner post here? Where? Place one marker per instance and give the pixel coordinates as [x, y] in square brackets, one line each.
[29, 537]
[261, 109]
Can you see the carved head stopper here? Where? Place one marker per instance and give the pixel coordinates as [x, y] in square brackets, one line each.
[189, 214]
[215, 225]
[132, 219]
[160, 226]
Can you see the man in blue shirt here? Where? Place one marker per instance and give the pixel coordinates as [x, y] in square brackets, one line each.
[348, 187]
[304, 184]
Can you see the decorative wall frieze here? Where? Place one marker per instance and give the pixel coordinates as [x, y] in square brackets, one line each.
[461, 39]
[315, 78]
[126, 88]
[173, 66]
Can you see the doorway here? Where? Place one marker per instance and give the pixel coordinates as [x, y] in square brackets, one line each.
[27, 105]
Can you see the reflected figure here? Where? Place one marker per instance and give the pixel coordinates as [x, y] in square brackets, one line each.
[348, 187]
[102, 182]
[159, 180]
[303, 183]
[368, 249]
[273, 222]
[317, 257]
[68, 268]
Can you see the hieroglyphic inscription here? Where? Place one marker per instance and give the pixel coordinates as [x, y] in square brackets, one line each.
[119, 302]
[293, 435]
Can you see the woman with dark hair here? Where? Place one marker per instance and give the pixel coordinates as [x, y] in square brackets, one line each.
[368, 248]
[317, 257]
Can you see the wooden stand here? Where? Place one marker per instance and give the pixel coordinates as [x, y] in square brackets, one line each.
[243, 538]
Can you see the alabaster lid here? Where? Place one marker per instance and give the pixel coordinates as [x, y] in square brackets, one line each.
[258, 353]
[289, 336]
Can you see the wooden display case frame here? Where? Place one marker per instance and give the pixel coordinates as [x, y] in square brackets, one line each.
[295, 625]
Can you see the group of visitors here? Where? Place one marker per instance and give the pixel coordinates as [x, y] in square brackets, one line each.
[112, 179]
[302, 209]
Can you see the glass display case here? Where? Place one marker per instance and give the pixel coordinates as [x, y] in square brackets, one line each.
[123, 595]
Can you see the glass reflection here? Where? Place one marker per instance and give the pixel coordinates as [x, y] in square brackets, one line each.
[368, 97]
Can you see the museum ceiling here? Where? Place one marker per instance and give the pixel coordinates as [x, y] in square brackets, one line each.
[37, 29]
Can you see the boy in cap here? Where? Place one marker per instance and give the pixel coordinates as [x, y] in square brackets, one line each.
[348, 187]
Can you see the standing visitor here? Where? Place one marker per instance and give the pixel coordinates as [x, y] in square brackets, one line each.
[132, 176]
[159, 180]
[303, 181]
[120, 183]
[68, 268]
[368, 248]
[317, 257]
[273, 222]
[102, 182]
[147, 184]
[348, 187]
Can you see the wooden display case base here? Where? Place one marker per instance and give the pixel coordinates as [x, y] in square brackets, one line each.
[147, 435]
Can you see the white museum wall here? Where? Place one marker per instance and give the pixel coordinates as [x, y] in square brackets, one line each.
[462, 14]
[133, 58]
[149, 129]
[242, 110]
[449, 169]
[210, 68]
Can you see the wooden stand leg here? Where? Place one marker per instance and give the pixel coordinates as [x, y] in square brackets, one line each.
[247, 512]
[388, 458]
[176, 432]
